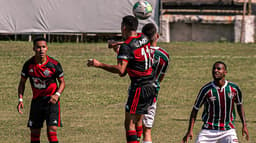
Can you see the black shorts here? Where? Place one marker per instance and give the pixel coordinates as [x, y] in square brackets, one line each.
[41, 110]
[140, 98]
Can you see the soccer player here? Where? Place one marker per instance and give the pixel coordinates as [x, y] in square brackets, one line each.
[219, 98]
[135, 58]
[45, 74]
[160, 66]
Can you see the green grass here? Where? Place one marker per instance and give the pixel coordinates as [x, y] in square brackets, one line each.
[93, 101]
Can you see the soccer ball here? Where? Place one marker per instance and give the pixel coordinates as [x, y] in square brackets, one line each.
[142, 9]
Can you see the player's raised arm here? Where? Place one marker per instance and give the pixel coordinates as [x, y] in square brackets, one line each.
[21, 89]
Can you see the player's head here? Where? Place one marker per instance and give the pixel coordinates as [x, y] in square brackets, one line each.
[38, 39]
[219, 70]
[40, 46]
[150, 31]
[129, 23]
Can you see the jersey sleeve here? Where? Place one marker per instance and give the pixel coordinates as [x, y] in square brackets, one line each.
[200, 99]
[238, 97]
[165, 66]
[24, 72]
[124, 53]
[59, 71]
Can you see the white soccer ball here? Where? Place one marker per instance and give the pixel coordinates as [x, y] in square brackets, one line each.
[142, 9]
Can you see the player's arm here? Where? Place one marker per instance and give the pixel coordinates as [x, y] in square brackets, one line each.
[21, 89]
[55, 97]
[192, 120]
[241, 113]
[120, 68]
[115, 45]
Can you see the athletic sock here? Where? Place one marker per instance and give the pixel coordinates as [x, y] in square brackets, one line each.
[147, 142]
[35, 138]
[52, 137]
[139, 131]
[131, 136]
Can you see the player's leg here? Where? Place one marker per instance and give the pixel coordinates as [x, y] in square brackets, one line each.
[148, 121]
[35, 122]
[208, 136]
[52, 134]
[35, 135]
[130, 126]
[138, 102]
[139, 130]
[147, 135]
[229, 136]
[53, 121]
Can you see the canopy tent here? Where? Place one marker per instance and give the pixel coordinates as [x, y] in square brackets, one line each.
[61, 16]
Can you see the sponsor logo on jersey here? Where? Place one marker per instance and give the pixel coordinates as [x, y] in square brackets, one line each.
[38, 83]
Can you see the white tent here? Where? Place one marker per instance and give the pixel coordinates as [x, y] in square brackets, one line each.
[67, 16]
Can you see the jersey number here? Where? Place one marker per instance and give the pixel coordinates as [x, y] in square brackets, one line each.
[147, 55]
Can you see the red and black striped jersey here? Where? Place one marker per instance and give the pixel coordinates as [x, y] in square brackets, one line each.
[139, 55]
[43, 78]
[219, 111]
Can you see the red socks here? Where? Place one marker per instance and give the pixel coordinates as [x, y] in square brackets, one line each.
[52, 137]
[131, 136]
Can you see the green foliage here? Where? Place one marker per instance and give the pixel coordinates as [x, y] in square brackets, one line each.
[93, 101]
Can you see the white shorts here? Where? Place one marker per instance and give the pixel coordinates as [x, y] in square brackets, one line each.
[148, 119]
[217, 136]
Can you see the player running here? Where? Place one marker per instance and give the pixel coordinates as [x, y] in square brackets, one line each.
[44, 74]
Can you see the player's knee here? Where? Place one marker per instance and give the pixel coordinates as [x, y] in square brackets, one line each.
[52, 129]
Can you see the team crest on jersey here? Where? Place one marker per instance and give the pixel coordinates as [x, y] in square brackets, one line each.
[231, 94]
[46, 72]
[31, 70]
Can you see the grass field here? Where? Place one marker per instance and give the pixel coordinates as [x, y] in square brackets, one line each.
[93, 101]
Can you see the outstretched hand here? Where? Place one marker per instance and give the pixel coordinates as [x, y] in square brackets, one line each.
[93, 63]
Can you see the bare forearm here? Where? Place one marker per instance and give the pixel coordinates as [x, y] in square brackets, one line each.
[61, 86]
[241, 113]
[21, 88]
[192, 119]
[110, 68]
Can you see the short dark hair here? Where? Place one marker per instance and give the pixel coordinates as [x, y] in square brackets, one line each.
[130, 22]
[36, 39]
[220, 62]
[149, 30]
